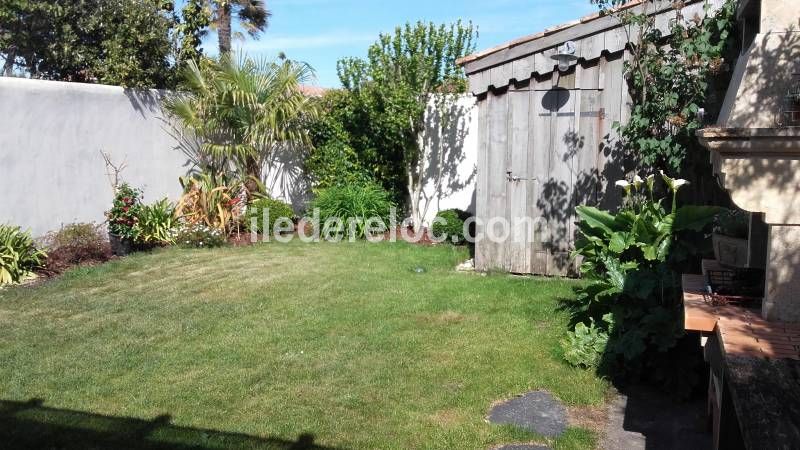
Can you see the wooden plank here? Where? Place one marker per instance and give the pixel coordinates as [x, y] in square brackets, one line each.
[481, 183]
[544, 63]
[521, 69]
[479, 82]
[564, 80]
[610, 159]
[558, 192]
[500, 76]
[541, 112]
[626, 103]
[587, 175]
[517, 252]
[591, 46]
[589, 77]
[497, 167]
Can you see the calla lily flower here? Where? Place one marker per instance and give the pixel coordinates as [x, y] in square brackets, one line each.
[651, 181]
[623, 184]
[680, 182]
[637, 182]
[674, 185]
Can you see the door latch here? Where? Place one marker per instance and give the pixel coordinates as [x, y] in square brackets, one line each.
[511, 177]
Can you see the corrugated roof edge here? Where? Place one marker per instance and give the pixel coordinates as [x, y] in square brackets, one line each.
[547, 32]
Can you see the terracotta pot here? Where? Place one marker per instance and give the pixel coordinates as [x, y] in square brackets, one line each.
[730, 251]
[120, 246]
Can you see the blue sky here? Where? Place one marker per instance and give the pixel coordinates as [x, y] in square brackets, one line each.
[320, 32]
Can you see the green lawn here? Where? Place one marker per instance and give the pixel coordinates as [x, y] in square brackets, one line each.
[279, 346]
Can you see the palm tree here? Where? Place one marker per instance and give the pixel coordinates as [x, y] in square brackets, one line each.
[253, 17]
[242, 110]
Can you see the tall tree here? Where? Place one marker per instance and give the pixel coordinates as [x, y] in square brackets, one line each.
[253, 17]
[125, 42]
[196, 19]
[242, 110]
[403, 74]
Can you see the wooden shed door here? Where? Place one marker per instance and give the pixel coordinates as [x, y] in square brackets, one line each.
[552, 167]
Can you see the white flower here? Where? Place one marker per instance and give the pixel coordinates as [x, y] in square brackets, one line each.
[623, 184]
[680, 182]
[673, 183]
[637, 182]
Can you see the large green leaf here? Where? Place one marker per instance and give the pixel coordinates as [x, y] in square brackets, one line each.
[695, 218]
[618, 242]
[596, 218]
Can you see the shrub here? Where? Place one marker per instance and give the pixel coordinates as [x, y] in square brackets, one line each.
[74, 244]
[191, 235]
[276, 210]
[212, 200]
[584, 347]
[358, 203]
[335, 163]
[633, 259]
[449, 225]
[156, 223]
[18, 254]
[124, 212]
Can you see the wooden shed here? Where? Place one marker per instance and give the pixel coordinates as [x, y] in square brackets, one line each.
[546, 142]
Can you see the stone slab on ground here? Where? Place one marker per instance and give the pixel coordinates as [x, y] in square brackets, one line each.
[535, 411]
[643, 418]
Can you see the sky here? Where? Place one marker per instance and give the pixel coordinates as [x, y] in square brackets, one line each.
[320, 32]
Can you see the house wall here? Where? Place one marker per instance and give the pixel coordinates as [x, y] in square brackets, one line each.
[52, 172]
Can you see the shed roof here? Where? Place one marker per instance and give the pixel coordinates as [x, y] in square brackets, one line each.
[595, 34]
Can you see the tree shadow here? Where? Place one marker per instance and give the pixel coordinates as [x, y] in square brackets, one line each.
[448, 122]
[285, 177]
[147, 102]
[29, 425]
[558, 197]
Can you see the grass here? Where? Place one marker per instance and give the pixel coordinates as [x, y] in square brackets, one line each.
[282, 346]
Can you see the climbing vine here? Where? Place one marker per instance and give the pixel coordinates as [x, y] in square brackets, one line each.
[670, 76]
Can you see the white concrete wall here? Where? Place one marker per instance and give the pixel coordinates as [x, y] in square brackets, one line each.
[451, 150]
[51, 135]
[52, 172]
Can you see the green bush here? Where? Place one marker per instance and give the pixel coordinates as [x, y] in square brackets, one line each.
[199, 236]
[335, 163]
[276, 209]
[358, 203]
[584, 347]
[449, 225]
[124, 212]
[75, 244]
[18, 254]
[632, 260]
[156, 223]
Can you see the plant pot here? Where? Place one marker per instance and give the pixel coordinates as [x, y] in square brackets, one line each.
[120, 246]
[730, 251]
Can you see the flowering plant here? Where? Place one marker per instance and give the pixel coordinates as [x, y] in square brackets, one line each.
[198, 235]
[632, 260]
[124, 213]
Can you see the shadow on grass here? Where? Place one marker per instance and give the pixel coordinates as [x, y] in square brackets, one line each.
[31, 425]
